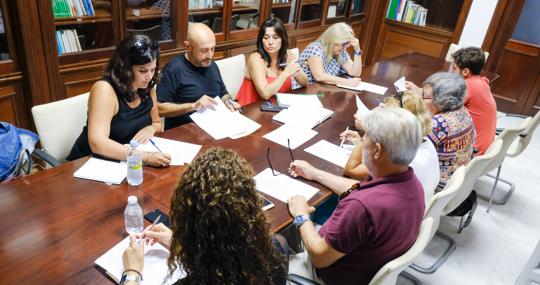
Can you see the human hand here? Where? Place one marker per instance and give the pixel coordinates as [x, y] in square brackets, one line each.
[412, 87]
[158, 233]
[352, 136]
[292, 68]
[358, 122]
[158, 159]
[303, 169]
[145, 134]
[133, 257]
[298, 206]
[353, 81]
[355, 43]
[204, 102]
[231, 104]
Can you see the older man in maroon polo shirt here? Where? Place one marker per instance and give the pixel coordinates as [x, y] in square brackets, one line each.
[376, 220]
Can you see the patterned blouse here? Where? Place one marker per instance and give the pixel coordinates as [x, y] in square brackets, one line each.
[330, 67]
[454, 136]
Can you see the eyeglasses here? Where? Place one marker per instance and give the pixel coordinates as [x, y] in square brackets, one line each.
[399, 97]
[268, 157]
[424, 95]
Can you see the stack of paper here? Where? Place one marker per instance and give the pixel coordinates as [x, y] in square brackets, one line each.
[181, 152]
[329, 152]
[296, 134]
[106, 171]
[282, 187]
[155, 268]
[309, 116]
[362, 110]
[286, 100]
[367, 87]
[220, 122]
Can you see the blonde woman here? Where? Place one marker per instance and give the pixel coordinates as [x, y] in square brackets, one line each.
[426, 161]
[326, 58]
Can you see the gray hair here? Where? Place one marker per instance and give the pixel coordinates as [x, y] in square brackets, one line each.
[397, 130]
[449, 90]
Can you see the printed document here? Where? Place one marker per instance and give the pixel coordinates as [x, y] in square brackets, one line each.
[155, 268]
[400, 84]
[221, 122]
[106, 171]
[309, 116]
[296, 134]
[286, 100]
[362, 110]
[181, 152]
[329, 152]
[367, 87]
[282, 187]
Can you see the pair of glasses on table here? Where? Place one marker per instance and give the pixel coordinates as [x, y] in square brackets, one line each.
[268, 158]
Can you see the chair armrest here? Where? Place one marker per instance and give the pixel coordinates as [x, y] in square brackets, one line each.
[514, 115]
[300, 280]
[43, 155]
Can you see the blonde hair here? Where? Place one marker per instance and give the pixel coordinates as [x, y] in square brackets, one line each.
[414, 104]
[335, 34]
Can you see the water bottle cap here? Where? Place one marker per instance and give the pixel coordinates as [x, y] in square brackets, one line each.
[132, 199]
[134, 143]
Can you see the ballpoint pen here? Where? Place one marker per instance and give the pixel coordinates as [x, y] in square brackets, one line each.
[231, 103]
[154, 144]
[343, 139]
[151, 227]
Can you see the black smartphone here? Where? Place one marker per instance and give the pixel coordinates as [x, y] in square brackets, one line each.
[269, 107]
[267, 204]
[156, 213]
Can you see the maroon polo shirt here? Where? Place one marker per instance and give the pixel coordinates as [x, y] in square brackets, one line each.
[374, 224]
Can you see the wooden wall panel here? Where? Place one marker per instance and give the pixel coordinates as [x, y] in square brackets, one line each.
[12, 104]
[399, 41]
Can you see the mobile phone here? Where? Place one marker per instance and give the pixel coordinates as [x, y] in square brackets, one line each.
[269, 107]
[154, 214]
[267, 204]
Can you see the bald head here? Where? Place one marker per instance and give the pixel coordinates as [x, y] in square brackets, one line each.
[200, 44]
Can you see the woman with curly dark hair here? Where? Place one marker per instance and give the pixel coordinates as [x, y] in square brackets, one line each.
[219, 232]
[122, 106]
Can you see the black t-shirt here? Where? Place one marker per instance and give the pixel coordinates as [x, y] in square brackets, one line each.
[183, 82]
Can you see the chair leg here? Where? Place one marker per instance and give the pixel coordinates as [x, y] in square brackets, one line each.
[509, 192]
[410, 277]
[451, 247]
[467, 222]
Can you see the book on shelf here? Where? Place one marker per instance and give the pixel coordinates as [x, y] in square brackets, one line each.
[72, 8]
[407, 11]
[68, 41]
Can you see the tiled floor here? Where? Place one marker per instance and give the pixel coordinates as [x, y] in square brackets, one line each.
[496, 246]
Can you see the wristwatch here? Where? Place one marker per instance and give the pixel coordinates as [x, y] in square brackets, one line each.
[131, 277]
[359, 53]
[300, 220]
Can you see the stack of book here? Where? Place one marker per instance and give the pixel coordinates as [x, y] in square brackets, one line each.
[67, 41]
[280, 1]
[72, 8]
[407, 11]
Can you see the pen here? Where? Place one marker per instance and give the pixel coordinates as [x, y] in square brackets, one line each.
[151, 227]
[154, 144]
[282, 64]
[343, 139]
[231, 102]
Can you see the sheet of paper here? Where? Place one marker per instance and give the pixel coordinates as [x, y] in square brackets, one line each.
[221, 122]
[155, 264]
[400, 84]
[362, 110]
[329, 152]
[282, 187]
[181, 152]
[106, 171]
[367, 87]
[286, 100]
[308, 116]
[297, 135]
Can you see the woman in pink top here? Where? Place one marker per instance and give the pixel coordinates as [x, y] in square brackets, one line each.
[272, 67]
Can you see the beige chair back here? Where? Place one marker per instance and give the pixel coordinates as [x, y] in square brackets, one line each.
[60, 123]
[232, 71]
[522, 140]
[388, 274]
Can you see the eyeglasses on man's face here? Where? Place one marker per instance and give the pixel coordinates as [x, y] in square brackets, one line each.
[268, 157]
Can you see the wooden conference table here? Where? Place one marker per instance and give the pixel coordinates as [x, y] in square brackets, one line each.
[54, 226]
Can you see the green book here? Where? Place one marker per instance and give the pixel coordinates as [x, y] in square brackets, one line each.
[392, 8]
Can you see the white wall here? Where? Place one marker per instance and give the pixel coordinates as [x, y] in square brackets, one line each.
[477, 23]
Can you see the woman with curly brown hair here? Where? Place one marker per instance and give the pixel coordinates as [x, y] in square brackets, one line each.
[219, 232]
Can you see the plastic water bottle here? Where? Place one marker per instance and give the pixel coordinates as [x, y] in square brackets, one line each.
[133, 216]
[134, 165]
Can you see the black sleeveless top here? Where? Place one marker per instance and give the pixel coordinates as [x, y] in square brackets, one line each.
[124, 125]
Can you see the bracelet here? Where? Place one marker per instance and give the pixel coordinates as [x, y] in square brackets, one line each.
[133, 270]
[357, 52]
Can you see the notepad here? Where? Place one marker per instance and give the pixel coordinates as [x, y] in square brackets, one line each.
[296, 134]
[309, 116]
[220, 122]
[155, 268]
[287, 100]
[181, 152]
[367, 87]
[106, 171]
[282, 187]
[329, 152]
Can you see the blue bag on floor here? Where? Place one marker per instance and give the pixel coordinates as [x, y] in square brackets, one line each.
[16, 145]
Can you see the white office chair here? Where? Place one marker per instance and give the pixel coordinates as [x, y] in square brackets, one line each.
[522, 140]
[388, 274]
[59, 124]
[232, 71]
[507, 137]
[530, 273]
